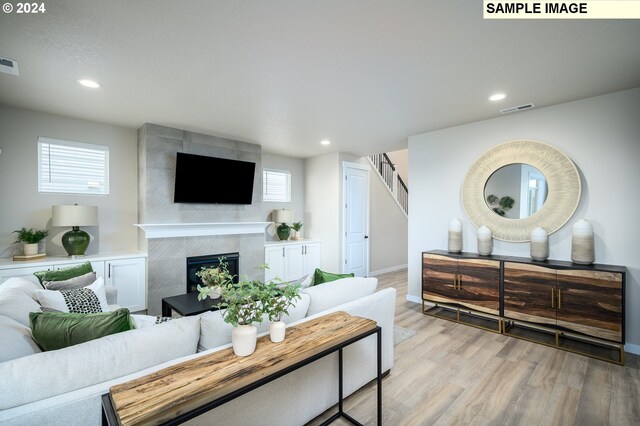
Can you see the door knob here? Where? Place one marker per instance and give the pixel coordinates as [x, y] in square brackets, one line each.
[366, 236]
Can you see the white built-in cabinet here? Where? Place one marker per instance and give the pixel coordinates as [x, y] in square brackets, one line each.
[127, 272]
[290, 260]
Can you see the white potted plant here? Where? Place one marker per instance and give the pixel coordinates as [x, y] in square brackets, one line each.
[278, 299]
[214, 279]
[30, 238]
[243, 305]
[297, 226]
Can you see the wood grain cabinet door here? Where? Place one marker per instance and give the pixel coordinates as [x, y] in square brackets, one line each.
[479, 285]
[439, 274]
[530, 293]
[590, 302]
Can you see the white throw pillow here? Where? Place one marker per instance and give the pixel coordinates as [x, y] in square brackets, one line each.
[16, 304]
[334, 293]
[22, 284]
[16, 339]
[90, 299]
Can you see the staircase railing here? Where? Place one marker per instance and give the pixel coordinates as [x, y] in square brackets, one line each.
[386, 170]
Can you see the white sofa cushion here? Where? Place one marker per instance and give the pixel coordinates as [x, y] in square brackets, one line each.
[16, 339]
[16, 304]
[215, 332]
[47, 374]
[23, 285]
[78, 303]
[328, 295]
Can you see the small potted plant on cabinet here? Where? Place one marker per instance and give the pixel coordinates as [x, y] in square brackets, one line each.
[243, 305]
[279, 298]
[30, 238]
[297, 226]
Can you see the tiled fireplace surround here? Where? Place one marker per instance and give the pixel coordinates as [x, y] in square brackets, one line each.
[157, 148]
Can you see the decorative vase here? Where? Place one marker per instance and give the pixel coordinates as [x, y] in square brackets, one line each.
[539, 244]
[582, 243]
[485, 243]
[277, 330]
[284, 231]
[215, 292]
[30, 249]
[243, 338]
[297, 235]
[455, 236]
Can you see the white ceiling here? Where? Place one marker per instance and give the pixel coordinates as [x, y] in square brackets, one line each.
[286, 74]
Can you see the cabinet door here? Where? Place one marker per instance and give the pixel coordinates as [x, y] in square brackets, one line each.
[293, 262]
[590, 302]
[128, 276]
[26, 273]
[530, 293]
[439, 274]
[479, 285]
[312, 258]
[274, 257]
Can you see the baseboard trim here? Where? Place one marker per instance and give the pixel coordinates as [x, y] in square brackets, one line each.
[632, 349]
[414, 299]
[387, 270]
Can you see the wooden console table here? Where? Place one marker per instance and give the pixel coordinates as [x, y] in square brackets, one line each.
[181, 392]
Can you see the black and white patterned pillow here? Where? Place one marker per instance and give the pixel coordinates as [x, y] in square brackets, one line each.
[81, 301]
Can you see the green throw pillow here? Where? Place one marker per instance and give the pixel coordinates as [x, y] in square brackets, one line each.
[65, 273]
[321, 277]
[57, 330]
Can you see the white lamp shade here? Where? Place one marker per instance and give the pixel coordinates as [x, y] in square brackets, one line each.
[74, 215]
[283, 216]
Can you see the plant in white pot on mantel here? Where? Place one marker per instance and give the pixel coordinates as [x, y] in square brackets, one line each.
[243, 305]
[279, 298]
[30, 238]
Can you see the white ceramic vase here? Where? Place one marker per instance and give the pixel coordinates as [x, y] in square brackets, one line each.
[582, 251]
[539, 244]
[215, 293]
[485, 243]
[277, 330]
[243, 338]
[30, 249]
[455, 236]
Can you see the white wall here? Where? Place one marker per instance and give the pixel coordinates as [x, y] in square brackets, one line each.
[599, 134]
[322, 206]
[22, 205]
[388, 229]
[296, 167]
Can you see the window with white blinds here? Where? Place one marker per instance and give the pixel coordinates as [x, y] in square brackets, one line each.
[276, 186]
[72, 167]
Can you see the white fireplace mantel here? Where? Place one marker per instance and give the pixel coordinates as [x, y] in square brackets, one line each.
[173, 230]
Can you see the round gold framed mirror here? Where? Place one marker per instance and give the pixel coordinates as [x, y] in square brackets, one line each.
[521, 185]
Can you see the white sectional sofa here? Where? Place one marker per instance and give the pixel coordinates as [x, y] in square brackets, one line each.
[63, 387]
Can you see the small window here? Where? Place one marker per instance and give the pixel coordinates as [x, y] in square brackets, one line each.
[72, 167]
[276, 186]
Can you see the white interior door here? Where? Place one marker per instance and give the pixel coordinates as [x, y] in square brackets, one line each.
[356, 219]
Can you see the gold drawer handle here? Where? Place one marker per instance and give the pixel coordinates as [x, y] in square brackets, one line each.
[553, 297]
[559, 299]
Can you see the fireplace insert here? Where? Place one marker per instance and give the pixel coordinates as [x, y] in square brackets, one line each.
[195, 263]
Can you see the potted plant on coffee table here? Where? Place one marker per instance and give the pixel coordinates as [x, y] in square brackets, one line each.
[214, 279]
[242, 306]
[279, 298]
[30, 238]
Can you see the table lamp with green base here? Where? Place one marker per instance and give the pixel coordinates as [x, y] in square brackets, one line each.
[76, 241]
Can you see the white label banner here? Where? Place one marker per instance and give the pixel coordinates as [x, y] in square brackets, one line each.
[588, 9]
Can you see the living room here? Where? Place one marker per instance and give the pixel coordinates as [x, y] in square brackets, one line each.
[267, 83]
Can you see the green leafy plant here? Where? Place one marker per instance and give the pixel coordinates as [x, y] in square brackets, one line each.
[213, 279]
[499, 211]
[297, 226]
[279, 297]
[243, 302]
[30, 236]
[492, 199]
[506, 202]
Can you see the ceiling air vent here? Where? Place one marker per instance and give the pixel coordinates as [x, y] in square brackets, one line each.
[517, 108]
[9, 66]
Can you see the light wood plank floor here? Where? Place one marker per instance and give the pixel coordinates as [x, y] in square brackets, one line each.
[453, 374]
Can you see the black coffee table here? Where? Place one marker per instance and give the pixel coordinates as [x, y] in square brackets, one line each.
[188, 304]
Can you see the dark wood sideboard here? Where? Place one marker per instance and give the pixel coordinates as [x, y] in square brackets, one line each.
[578, 308]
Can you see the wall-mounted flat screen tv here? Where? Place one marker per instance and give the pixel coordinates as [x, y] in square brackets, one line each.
[212, 180]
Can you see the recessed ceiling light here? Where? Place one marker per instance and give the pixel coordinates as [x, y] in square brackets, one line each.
[325, 142]
[497, 97]
[89, 83]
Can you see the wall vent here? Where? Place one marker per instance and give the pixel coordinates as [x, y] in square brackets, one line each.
[9, 66]
[517, 108]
